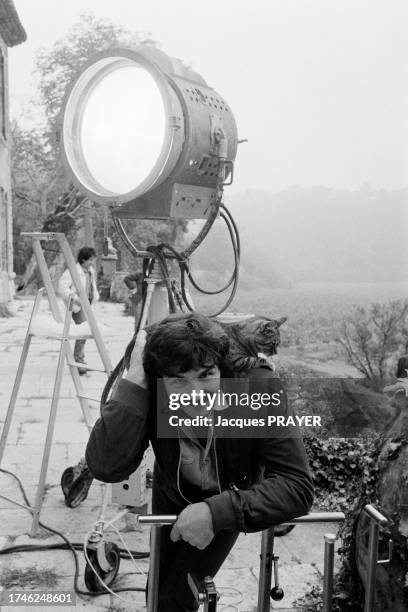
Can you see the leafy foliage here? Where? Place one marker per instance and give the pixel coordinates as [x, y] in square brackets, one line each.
[34, 186]
[340, 469]
[345, 473]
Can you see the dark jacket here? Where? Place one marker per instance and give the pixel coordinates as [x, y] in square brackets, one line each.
[263, 482]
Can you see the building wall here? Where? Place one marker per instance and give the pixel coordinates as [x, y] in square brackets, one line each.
[6, 233]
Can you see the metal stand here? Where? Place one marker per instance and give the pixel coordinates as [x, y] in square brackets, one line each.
[268, 561]
[155, 308]
[329, 542]
[377, 520]
[204, 592]
[265, 570]
[265, 573]
[65, 355]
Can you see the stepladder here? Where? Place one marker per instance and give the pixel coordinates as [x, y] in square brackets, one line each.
[61, 330]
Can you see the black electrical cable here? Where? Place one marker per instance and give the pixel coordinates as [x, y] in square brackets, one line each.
[68, 545]
[123, 364]
[161, 259]
[189, 250]
[125, 360]
[233, 231]
[203, 232]
[236, 248]
[182, 259]
[231, 218]
[234, 235]
[124, 554]
[184, 270]
[123, 234]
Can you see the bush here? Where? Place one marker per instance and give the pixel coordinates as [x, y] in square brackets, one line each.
[340, 468]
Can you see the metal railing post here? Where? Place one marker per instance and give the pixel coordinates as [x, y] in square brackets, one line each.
[329, 542]
[377, 520]
[265, 570]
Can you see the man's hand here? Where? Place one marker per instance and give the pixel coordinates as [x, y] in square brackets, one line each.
[136, 373]
[194, 525]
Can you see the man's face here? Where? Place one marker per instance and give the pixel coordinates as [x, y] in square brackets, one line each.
[206, 379]
[87, 263]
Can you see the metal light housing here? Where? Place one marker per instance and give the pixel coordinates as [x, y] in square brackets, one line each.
[143, 134]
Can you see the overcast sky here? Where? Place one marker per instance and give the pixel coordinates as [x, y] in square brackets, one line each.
[319, 87]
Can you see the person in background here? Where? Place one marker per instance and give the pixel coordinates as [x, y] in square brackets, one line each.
[134, 282]
[86, 269]
[402, 377]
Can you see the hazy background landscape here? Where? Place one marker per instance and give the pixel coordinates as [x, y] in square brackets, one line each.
[314, 235]
[311, 255]
[320, 190]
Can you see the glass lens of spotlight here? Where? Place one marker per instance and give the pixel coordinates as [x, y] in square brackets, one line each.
[122, 129]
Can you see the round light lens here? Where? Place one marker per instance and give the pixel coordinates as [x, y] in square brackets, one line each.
[115, 130]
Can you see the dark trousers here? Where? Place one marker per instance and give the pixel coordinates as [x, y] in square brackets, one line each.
[179, 558]
[79, 346]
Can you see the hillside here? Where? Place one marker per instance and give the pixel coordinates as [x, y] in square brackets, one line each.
[313, 235]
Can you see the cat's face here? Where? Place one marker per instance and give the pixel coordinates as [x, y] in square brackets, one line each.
[265, 334]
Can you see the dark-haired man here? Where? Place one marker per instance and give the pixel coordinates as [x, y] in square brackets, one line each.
[86, 269]
[216, 486]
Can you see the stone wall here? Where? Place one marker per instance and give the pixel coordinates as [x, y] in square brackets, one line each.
[6, 234]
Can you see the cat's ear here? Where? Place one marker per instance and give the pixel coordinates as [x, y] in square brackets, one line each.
[281, 321]
[269, 326]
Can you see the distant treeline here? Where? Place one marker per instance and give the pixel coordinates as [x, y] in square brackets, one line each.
[312, 235]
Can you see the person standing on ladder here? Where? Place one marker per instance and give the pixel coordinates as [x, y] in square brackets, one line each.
[86, 269]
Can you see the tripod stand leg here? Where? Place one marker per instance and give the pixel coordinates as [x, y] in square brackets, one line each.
[19, 375]
[265, 571]
[86, 413]
[14, 394]
[50, 433]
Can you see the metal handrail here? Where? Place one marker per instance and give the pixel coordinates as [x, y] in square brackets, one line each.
[265, 573]
[313, 517]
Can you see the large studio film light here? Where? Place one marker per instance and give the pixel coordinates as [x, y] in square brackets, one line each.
[145, 135]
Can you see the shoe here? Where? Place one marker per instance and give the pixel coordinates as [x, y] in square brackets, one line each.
[82, 371]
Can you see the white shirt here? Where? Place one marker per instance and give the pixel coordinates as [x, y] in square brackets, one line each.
[66, 285]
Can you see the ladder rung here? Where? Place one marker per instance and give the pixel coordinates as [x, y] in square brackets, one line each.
[81, 337]
[43, 235]
[89, 397]
[76, 364]
[57, 337]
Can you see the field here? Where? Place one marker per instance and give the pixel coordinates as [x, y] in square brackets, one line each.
[314, 311]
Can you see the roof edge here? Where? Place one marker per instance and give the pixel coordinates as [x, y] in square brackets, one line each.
[11, 29]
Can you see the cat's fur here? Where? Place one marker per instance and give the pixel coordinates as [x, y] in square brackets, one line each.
[249, 337]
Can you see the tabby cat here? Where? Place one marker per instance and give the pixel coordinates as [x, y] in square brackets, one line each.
[252, 341]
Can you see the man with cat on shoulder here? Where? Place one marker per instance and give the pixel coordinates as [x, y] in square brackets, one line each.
[217, 487]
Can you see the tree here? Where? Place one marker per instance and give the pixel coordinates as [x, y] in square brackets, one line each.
[372, 336]
[33, 188]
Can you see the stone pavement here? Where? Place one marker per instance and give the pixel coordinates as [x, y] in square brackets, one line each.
[301, 551]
